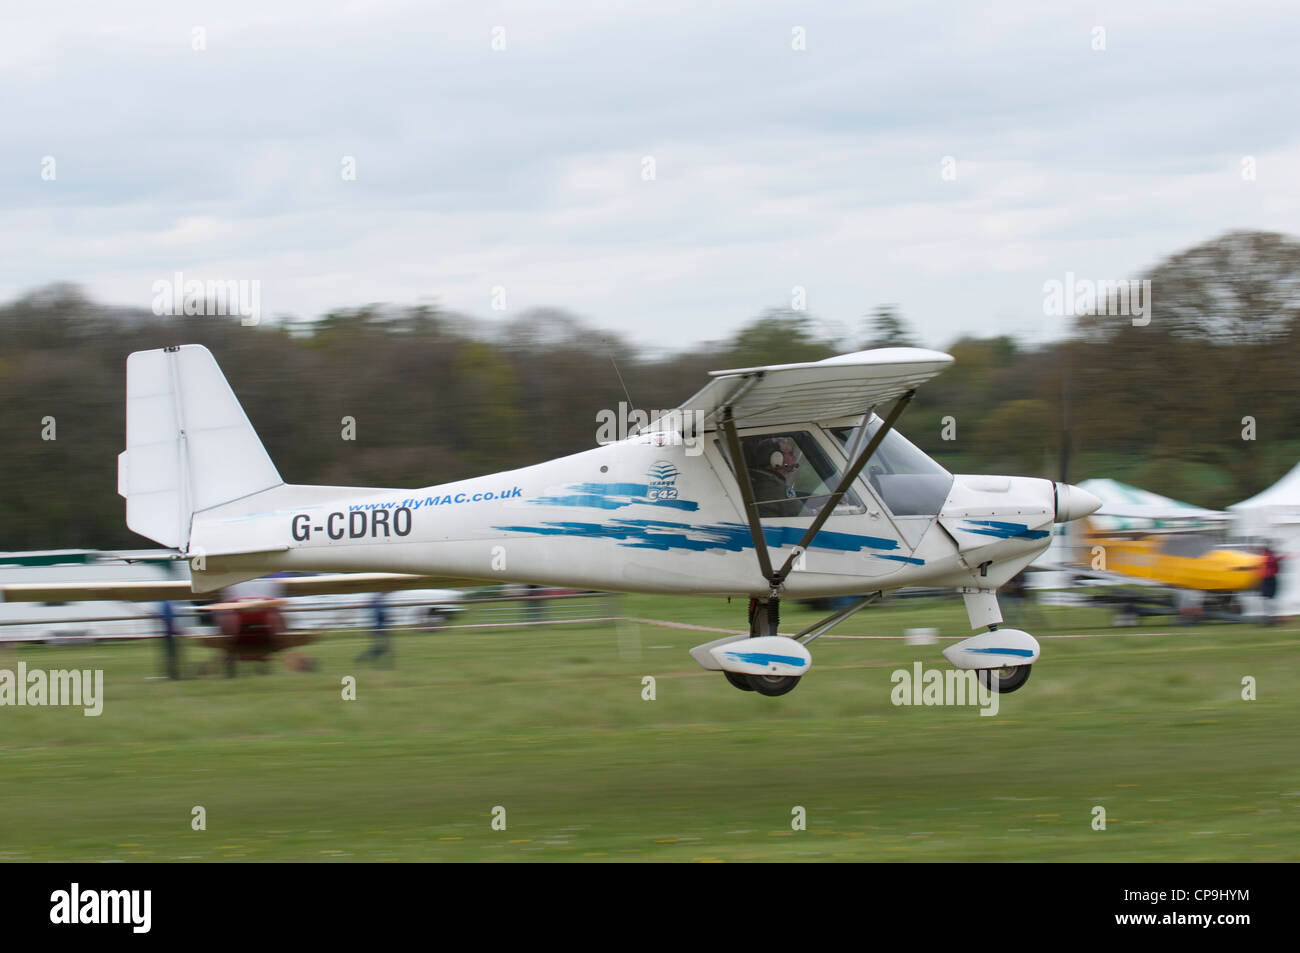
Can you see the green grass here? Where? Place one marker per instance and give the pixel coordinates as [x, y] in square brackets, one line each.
[549, 722]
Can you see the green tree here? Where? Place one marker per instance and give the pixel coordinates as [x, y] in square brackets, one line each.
[1020, 437]
[886, 328]
[778, 336]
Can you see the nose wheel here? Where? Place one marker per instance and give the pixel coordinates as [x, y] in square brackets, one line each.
[772, 685]
[769, 685]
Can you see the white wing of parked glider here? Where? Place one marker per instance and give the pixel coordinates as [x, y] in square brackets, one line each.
[179, 589]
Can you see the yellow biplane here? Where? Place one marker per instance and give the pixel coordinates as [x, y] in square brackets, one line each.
[1141, 535]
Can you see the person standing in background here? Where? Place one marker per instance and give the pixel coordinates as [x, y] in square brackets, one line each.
[381, 639]
[171, 644]
[1268, 581]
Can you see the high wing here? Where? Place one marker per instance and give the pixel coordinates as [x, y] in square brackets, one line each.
[844, 386]
[179, 589]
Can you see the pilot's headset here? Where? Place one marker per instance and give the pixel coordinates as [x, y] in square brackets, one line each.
[767, 454]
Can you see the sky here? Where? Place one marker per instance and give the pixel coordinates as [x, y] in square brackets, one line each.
[664, 170]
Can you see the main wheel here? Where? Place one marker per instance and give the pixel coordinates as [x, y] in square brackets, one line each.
[739, 680]
[1005, 680]
[764, 619]
[772, 685]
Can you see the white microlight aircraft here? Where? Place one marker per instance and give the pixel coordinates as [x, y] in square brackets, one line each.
[770, 483]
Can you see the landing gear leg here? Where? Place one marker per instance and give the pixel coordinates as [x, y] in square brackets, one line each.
[764, 619]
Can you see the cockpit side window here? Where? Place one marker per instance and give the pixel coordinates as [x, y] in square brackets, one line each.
[904, 478]
[792, 475]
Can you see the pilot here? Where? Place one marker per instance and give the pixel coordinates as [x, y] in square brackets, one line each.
[771, 464]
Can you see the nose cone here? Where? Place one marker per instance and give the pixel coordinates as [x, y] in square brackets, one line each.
[1073, 503]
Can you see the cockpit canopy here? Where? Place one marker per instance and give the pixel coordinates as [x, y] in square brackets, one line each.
[905, 479]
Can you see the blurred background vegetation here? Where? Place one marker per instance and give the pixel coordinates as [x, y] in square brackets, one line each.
[439, 396]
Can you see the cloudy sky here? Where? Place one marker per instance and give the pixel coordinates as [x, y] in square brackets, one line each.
[664, 169]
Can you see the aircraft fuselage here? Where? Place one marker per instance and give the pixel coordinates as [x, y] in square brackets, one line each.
[646, 514]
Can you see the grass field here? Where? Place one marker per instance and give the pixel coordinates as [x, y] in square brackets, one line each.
[549, 723]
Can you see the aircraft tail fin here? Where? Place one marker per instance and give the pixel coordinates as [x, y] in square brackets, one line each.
[189, 445]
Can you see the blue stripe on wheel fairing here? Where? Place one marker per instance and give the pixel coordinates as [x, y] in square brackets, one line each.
[765, 658]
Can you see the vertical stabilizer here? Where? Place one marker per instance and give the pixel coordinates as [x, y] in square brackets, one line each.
[189, 445]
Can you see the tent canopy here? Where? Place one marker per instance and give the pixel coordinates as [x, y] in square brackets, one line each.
[1285, 493]
[1128, 508]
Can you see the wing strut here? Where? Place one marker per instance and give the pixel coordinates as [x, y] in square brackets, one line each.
[746, 493]
[777, 578]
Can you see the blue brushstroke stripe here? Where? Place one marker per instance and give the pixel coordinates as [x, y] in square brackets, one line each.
[765, 658]
[1022, 653]
[1003, 530]
[731, 537]
[612, 496]
[608, 503]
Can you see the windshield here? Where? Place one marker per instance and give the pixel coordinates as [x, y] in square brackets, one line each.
[906, 480]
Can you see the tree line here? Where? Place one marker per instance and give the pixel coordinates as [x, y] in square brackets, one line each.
[1199, 403]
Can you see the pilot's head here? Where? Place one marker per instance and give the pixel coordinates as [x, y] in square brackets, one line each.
[778, 454]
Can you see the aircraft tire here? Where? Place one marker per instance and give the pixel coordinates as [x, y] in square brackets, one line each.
[1015, 677]
[738, 680]
[773, 685]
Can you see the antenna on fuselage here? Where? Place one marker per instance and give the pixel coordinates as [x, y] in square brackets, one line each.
[1063, 471]
[630, 406]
